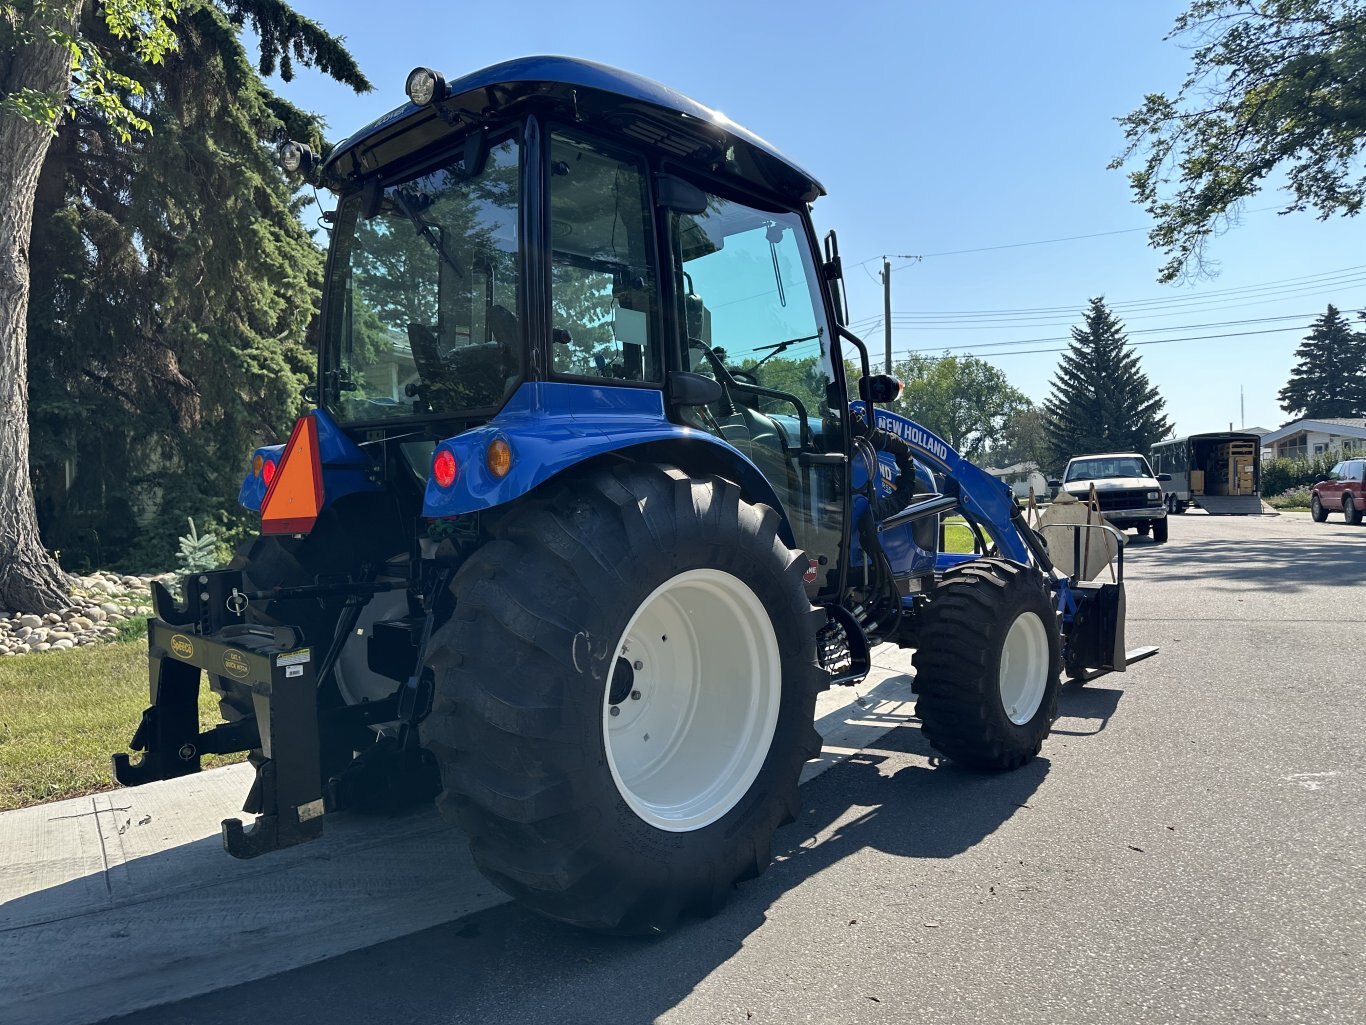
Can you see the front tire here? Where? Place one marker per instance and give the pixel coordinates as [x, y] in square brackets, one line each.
[625, 697]
[987, 677]
[1316, 509]
[1160, 531]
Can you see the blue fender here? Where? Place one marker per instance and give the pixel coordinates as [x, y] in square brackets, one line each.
[346, 468]
[552, 427]
[983, 497]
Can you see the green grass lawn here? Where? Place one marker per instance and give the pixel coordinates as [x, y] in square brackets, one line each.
[957, 535]
[62, 714]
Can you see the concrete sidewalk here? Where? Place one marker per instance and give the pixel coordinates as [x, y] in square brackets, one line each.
[126, 899]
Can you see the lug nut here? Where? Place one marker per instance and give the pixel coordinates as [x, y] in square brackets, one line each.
[615, 710]
[638, 665]
[635, 695]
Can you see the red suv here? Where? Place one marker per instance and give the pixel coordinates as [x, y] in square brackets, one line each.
[1343, 488]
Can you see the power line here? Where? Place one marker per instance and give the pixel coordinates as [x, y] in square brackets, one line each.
[1033, 242]
[1150, 341]
[1302, 318]
[1342, 276]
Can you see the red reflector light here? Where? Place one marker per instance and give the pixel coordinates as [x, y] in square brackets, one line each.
[443, 468]
[268, 471]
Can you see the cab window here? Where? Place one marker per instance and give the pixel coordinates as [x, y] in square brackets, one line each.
[603, 284]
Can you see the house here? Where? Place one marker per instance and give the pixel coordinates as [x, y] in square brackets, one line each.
[1021, 477]
[1304, 438]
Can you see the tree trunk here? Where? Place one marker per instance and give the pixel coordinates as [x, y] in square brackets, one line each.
[30, 580]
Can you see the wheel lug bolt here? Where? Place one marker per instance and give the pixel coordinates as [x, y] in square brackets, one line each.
[616, 710]
[635, 695]
[638, 665]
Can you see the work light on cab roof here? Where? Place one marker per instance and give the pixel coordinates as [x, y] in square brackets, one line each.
[297, 156]
[425, 86]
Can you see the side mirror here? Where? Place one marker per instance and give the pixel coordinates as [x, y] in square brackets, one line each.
[311, 393]
[1164, 477]
[688, 389]
[1319, 478]
[883, 388]
[1055, 484]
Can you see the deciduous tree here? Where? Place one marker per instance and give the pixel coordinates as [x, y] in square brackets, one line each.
[965, 400]
[1274, 85]
[44, 65]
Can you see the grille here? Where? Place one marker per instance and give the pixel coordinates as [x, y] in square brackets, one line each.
[1128, 498]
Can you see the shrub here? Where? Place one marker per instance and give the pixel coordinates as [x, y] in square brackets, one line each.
[1281, 475]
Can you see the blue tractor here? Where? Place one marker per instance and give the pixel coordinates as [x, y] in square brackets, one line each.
[585, 517]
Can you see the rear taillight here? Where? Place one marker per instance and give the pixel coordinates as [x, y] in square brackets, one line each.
[444, 468]
[268, 471]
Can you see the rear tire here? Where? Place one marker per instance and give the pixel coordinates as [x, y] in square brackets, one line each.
[988, 678]
[1144, 529]
[1160, 531]
[672, 602]
[1316, 509]
[1350, 512]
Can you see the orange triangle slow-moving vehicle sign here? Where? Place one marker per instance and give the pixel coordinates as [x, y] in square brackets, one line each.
[295, 496]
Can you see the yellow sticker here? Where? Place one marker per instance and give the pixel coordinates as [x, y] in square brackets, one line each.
[235, 665]
[182, 646]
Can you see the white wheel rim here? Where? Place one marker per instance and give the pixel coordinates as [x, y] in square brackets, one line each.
[688, 738]
[1024, 668]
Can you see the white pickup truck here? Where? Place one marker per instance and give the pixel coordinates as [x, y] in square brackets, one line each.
[1130, 494]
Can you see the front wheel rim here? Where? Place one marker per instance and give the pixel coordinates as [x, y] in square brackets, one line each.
[1024, 668]
[692, 706]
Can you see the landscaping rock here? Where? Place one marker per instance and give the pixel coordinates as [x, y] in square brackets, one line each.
[40, 646]
[52, 617]
[96, 614]
[79, 623]
[64, 642]
[23, 632]
[30, 621]
[114, 617]
[109, 606]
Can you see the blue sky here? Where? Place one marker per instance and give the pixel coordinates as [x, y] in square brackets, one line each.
[938, 128]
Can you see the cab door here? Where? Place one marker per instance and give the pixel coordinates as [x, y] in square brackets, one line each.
[751, 314]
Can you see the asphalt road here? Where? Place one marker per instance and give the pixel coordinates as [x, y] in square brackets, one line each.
[1188, 849]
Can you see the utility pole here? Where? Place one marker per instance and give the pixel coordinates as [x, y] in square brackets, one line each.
[887, 308]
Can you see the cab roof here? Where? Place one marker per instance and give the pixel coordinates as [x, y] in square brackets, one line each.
[584, 90]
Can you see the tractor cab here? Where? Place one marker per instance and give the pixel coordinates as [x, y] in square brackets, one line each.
[556, 240]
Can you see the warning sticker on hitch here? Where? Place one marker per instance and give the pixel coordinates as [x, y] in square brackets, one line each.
[294, 658]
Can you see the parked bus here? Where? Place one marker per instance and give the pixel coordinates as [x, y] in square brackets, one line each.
[1220, 473]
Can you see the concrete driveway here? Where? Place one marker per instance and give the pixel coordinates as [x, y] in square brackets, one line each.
[1189, 849]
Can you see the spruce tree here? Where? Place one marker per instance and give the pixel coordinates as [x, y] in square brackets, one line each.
[1330, 377]
[174, 286]
[1101, 400]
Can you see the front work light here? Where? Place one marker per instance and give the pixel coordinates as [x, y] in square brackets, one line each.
[296, 156]
[425, 86]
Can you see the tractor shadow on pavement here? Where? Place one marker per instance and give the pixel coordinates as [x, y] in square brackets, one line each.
[1332, 561]
[505, 964]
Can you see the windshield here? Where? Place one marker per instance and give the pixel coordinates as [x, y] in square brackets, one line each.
[423, 296]
[1109, 466]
